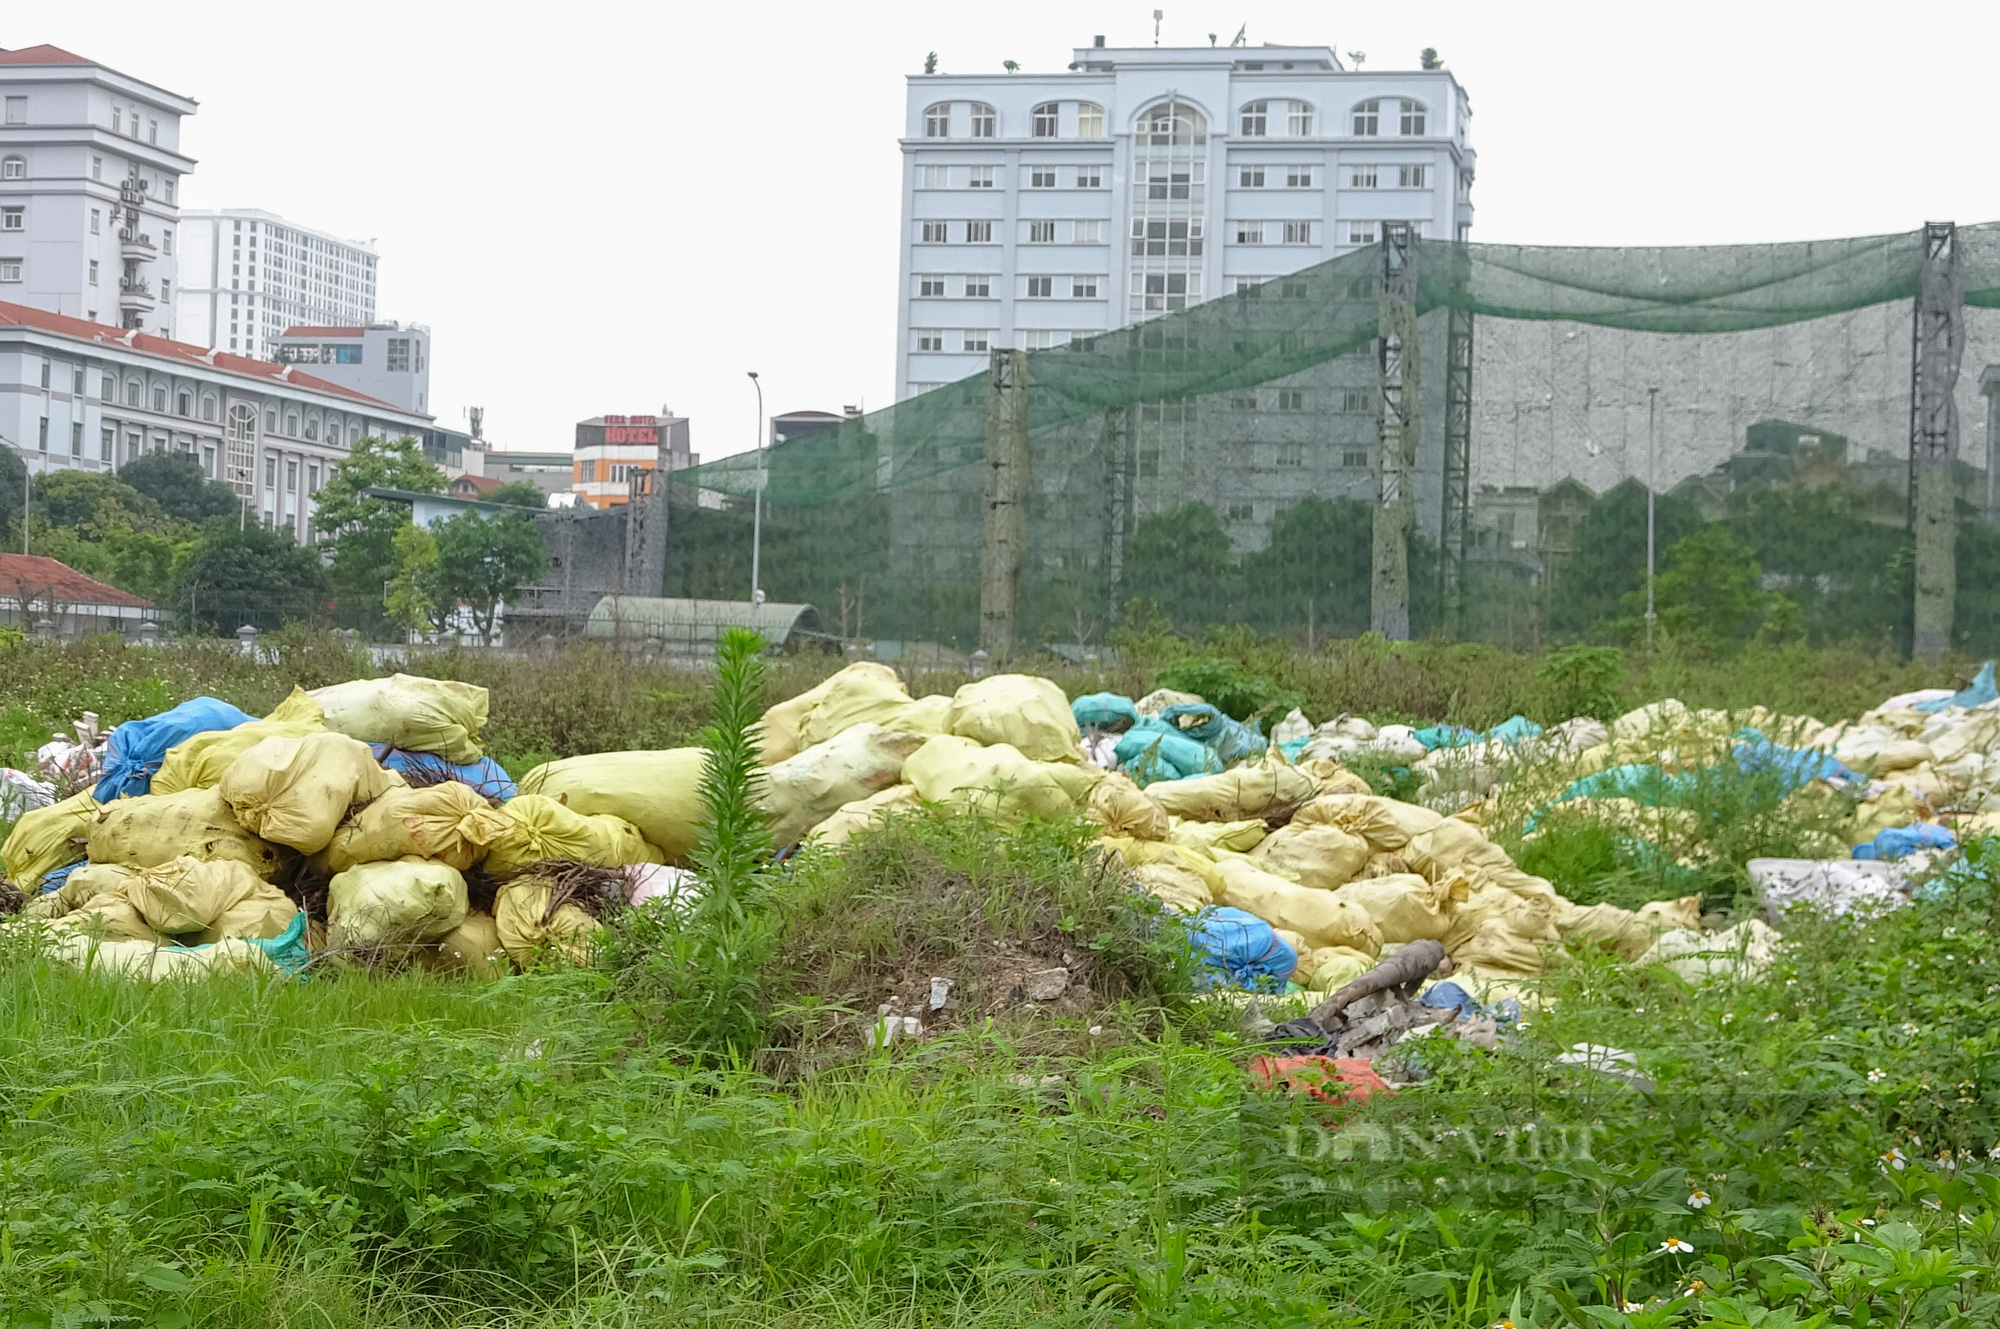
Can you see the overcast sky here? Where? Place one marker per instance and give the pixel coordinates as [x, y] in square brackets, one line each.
[613, 207]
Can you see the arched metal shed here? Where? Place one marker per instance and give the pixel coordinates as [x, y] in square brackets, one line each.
[692, 627]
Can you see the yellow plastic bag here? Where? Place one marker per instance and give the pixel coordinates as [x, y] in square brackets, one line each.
[45, 839]
[1178, 886]
[198, 762]
[803, 790]
[86, 883]
[997, 779]
[108, 917]
[780, 734]
[1239, 837]
[1026, 713]
[297, 791]
[1492, 949]
[1409, 907]
[1330, 777]
[1530, 920]
[1323, 857]
[1331, 968]
[152, 829]
[199, 902]
[659, 791]
[1384, 823]
[1893, 807]
[1136, 854]
[543, 828]
[402, 903]
[1122, 808]
[1255, 789]
[449, 822]
[1624, 932]
[405, 711]
[1321, 917]
[528, 931]
[472, 948]
[864, 815]
[152, 961]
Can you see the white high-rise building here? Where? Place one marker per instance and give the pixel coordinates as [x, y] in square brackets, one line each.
[90, 170]
[1042, 207]
[247, 276]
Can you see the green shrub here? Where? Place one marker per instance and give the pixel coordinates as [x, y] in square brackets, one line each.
[1229, 687]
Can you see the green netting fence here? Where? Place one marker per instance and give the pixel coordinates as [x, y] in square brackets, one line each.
[1223, 465]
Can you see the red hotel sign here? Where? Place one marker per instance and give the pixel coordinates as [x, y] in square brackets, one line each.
[620, 429]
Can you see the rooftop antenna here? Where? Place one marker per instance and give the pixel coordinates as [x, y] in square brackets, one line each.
[1157, 16]
[477, 415]
[1241, 37]
[1359, 58]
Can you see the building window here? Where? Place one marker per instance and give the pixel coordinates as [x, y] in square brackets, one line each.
[1355, 401]
[93, 272]
[291, 424]
[1291, 454]
[984, 122]
[978, 287]
[1090, 177]
[170, 188]
[1256, 116]
[97, 168]
[160, 398]
[1042, 177]
[166, 289]
[17, 111]
[270, 472]
[1240, 512]
[134, 392]
[1300, 177]
[312, 429]
[1041, 288]
[76, 440]
[399, 355]
[929, 286]
[1412, 177]
[1249, 233]
[937, 120]
[1356, 459]
[1413, 118]
[10, 269]
[1089, 120]
[1041, 339]
[1047, 120]
[1361, 233]
[979, 233]
[152, 130]
[1291, 399]
[107, 444]
[974, 339]
[166, 239]
[1368, 119]
[94, 221]
[47, 372]
[979, 177]
[1149, 463]
[312, 477]
[270, 419]
[14, 168]
[1299, 120]
[934, 232]
[1086, 232]
[1361, 177]
[13, 219]
[1083, 288]
[933, 177]
[291, 475]
[108, 388]
[42, 439]
[930, 339]
[1250, 177]
[1041, 232]
[1298, 232]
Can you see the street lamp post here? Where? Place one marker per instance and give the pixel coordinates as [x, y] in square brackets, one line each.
[757, 509]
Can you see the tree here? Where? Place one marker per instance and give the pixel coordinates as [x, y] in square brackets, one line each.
[413, 600]
[360, 529]
[1610, 557]
[256, 576]
[1181, 561]
[175, 481]
[1710, 594]
[519, 493]
[93, 504]
[1312, 578]
[485, 560]
[13, 488]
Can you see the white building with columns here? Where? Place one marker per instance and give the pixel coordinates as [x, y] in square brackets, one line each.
[1042, 207]
[247, 276]
[90, 173]
[79, 395]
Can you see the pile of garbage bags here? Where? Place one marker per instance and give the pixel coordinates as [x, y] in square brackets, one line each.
[361, 819]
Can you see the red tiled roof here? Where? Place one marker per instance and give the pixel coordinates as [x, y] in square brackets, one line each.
[242, 365]
[478, 484]
[36, 577]
[322, 332]
[42, 55]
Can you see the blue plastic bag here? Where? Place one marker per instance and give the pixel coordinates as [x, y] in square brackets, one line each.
[486, 775]
[136, 748]
[53, 881]
[1230, 740]
[1982, 691]
[1105, 711]
[1438, 736]
[1513, 729]
[1153, 750]
[288, 949]
[1240, 950]
[1902, 841]
[1798, 766]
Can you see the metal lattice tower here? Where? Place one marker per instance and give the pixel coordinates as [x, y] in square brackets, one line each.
[1397, 403]
[1937, 332]
[1456, 519]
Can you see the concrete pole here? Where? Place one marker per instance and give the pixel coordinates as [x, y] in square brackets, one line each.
[1399, 365]
[1937, 338]
[1006, 531]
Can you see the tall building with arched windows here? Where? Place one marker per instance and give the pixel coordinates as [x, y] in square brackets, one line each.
[1038, 208]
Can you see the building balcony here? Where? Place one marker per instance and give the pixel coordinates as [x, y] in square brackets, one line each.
[135, 295]
[136, 246]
